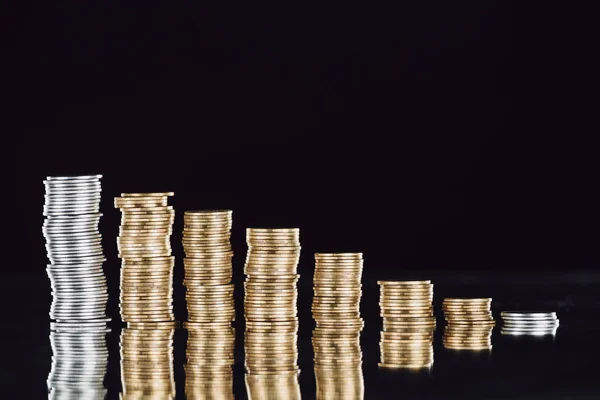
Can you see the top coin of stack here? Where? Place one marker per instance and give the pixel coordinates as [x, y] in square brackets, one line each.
[533, 323]
[74, 248]
[408, 324]
[270, 301]
[208, 271]
[145, 249]
[470, 324]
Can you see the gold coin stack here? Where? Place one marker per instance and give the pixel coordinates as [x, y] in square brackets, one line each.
[207, 264]
[147, 361]
[270, 297]
[408, 324]
[144, 244]
[273, 386]
[210, 356]
[470, 324]
[336, 337]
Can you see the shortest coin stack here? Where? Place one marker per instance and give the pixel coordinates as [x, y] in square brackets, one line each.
[470, 324]
[408, 324]
[529, 323]
[210, 357]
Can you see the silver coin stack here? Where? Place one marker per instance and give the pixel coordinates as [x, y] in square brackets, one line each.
[74, 248]
[79, 361]
[529, 323]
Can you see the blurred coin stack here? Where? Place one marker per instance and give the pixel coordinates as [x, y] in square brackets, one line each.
[79, 360]
[210, 356]
[470, 324]
[408, 324]
[147, 361]
[208, 272]
[74, 248]
[283, 386]
[336, 337]
[144, 244]
[529, 323]
[270, 297]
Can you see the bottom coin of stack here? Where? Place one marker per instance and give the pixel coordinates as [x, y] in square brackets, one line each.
[529, 323]
[147, 361]
[210, 357]
[408, 324]
[273, 386]
[79, 361]
[470, 324]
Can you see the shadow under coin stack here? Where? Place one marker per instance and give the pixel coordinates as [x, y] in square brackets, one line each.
[74, 248]
[144, 244]
[408, 324]
[336, 337]
[529, 323]
[470, 324]
[270, 310]
[79, 360]
[147, 361]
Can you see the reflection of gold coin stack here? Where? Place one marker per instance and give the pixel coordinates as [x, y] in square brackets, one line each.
[208, 272]
[270, 303]
[145, 249]
[208, 373]
[147, 361]
[270, 386]
[336, 338]
[470, 324]
[408, 324]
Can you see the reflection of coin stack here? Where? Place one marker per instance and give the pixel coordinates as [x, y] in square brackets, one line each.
[470, 324]
[270, 386]
[408, 324]
[270, 302]
[529, 323]
[147, 361]
[336, 338]
[207, 246]
[74, 248]
[145, 249]
[79, 361]
[208, 373]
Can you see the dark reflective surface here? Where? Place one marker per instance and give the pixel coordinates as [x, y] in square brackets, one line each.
[563, 366]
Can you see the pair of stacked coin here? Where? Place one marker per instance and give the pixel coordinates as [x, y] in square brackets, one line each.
[74, 248]
[270, 300]
[273, 386]
[408, 324]
[144, 244]
[79, 361]
[147, 361]
[529, 323]
[337, 285]
[208, 272]
[470, 324]
[210, 356]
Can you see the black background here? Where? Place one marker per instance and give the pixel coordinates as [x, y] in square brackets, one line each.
[449, 140]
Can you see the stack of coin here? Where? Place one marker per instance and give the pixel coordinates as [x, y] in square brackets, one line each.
[408, 324]
[74, 248]
[208, 272]
[147, 361]
[145, 249]
[79, 360]
[210, 351]
[534, 323]
[270, 301]
[273, 386]
[470, 324]
[336, 337]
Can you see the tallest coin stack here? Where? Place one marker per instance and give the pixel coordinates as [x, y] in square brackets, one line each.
[74, 248]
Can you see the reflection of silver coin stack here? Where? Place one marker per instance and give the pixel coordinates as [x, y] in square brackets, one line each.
[74, 248]
[529, 323]
[79, 361]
